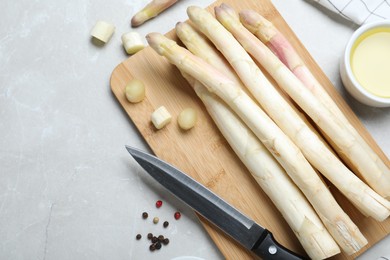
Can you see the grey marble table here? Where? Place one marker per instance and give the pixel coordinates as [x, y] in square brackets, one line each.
[68, 188]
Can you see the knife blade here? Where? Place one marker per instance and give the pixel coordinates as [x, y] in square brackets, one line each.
[245, 231]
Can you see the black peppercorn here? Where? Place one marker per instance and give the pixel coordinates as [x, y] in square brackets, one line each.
[150, 235]
[160, 238]
[158, 245]
[145, 215]
[152, 247]
[166, 224]
[154, 239]
[138, 237]
[166, 241]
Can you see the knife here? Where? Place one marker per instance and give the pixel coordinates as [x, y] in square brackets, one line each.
[244, 230]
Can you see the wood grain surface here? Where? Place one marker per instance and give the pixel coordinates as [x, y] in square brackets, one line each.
[203, 153]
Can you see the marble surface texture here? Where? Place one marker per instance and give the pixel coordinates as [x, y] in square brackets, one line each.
[68, 188]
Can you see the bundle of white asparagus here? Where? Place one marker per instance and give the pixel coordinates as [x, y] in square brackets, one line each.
[316, 102]
[218, 77]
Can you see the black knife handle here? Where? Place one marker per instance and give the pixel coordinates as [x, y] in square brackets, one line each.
[268, 248]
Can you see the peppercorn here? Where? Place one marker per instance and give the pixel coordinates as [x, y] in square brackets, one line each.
[159, 203]
[158, 245]
[150, 235]
[152, 247]
[138, 236]
[166, 241]
[165, 224]
[155, 220]
[160, 238]
[177, 215]
[154, 239]
[145, 215]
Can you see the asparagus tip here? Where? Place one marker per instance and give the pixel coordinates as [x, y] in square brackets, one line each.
[225, 14]
[193, 10]
[225, 5]
[152, 36]
[227, 8]
[160, 43]
[179, 25]
[247, 17]
[256, 23]
[138, 19]
[154, 39]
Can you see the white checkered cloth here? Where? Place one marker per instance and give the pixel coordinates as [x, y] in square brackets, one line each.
[359, 11]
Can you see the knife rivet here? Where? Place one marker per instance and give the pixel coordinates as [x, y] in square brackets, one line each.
[272, 250]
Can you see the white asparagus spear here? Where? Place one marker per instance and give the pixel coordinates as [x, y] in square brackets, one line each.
[270, 176]
[152, 9]
[360, 194]
[275, 40]
[338, 223]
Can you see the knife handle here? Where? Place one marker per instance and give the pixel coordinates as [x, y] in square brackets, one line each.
[269, 248]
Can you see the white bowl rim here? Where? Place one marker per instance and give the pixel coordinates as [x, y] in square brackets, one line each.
[347, 55]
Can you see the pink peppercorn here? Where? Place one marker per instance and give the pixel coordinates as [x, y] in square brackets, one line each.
[177, 215]
[159, 203]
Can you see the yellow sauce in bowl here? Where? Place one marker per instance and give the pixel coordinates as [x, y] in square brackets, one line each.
[370, 61]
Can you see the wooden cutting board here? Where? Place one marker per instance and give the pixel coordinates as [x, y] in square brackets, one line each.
[203, 153]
